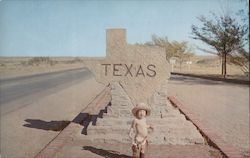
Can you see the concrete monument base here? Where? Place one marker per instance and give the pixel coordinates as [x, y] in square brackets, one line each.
[170, 126]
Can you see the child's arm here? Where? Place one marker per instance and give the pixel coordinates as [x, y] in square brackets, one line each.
[150, 127]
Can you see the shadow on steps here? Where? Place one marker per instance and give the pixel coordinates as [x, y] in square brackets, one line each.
[85, 119]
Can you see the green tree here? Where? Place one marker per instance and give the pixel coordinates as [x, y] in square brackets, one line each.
[224, 34]
[172, 49]
[240, 58]
[161, 42]
[181, 51]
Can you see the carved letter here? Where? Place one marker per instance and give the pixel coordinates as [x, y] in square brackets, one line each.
[116, 70]
[140, 73]
[128, 70]
[154, 72]
[106, 68]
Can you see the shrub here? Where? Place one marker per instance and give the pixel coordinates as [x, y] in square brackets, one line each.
[41, 60]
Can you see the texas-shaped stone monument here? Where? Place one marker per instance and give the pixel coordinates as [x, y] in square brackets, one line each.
[139, 69]
[137, 73]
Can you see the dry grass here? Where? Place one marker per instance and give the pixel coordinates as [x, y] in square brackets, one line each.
[19, 66]
[209, 65]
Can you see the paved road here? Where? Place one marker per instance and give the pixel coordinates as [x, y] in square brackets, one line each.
[224, 106]
[33, 108]
[35, 86]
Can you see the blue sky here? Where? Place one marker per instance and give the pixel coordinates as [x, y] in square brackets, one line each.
[78, 28]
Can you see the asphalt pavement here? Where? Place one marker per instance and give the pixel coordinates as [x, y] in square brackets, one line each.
[36, 86]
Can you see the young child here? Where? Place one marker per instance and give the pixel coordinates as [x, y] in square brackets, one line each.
[140, 129]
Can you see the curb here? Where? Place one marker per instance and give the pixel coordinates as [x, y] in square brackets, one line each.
[236, 81]
[212, 138]
[56, 144]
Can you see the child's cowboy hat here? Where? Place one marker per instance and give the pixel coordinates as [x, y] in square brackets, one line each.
[141, 106]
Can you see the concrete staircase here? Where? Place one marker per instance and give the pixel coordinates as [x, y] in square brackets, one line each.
[170, 126]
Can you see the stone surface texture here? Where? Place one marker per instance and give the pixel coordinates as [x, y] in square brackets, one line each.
[147, 65]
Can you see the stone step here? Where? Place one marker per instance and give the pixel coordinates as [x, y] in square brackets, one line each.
[159, 139]
[165, 114]
[169, 133]
[125, 111]
[174, 136]
[117, 114]
[92, 130]
[128, 114]
[128, 121]
[187, 134]
[121, 107]
[107, 138]
[113, 121]
[156, 136]
[121, 103]
[124, 130]
[175, 140]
